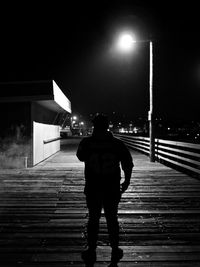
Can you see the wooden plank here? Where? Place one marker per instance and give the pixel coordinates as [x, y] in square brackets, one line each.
[44, 217]
[180, 164]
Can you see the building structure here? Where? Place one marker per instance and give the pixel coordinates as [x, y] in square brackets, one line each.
[30, 121]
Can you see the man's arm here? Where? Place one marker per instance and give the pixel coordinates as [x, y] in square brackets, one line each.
[126, 183]
[127, 166]
[81, 153]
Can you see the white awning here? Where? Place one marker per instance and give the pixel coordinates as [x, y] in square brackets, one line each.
[45, 93]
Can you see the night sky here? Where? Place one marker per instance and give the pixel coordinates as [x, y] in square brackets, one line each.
[72, 44]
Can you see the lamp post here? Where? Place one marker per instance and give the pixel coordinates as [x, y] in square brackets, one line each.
[125, 44]
[150, 115]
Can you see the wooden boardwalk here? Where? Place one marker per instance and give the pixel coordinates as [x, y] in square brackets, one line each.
[43, 216]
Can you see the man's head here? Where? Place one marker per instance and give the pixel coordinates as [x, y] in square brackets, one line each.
[100, 122]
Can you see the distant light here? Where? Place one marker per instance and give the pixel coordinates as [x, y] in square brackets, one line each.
[135, 130]
[74, 118]
[125, 42]
[122, 130]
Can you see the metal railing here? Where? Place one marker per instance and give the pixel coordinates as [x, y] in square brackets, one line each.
[51, 140]
[178, 154]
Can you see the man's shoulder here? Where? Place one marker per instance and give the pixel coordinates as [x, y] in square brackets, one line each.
[118, 141]
[86, 140]
[119, 144]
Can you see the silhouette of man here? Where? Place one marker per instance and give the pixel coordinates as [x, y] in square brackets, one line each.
[102, 154]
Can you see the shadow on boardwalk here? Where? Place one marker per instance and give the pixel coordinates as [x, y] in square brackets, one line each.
[43, 216]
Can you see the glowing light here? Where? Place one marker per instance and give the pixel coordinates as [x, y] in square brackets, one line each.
[126, 42]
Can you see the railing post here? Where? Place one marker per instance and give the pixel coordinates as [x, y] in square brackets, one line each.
[26, 162]
[151, 139]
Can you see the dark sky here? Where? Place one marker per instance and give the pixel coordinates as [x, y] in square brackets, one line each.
[71, 44]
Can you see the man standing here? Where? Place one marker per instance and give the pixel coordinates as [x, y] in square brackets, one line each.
[102, 154]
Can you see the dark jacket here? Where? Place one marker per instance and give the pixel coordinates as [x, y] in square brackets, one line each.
[103, 154]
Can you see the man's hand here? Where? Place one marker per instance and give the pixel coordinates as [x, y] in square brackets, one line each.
[124, 186]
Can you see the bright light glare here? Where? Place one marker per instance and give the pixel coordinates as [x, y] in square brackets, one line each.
[60, 98]
[126, 42]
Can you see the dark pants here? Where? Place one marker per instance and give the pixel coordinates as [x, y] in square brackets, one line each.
[109, 203]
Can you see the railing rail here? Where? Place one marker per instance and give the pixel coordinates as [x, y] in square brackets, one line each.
[179, 154]
[51, 140]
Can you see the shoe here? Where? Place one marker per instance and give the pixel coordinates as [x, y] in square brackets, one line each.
[116, 255]
[89, 256]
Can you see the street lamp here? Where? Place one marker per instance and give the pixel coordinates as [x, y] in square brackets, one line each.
[125, 44]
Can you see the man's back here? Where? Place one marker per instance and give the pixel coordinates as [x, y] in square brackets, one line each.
[102, 154]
